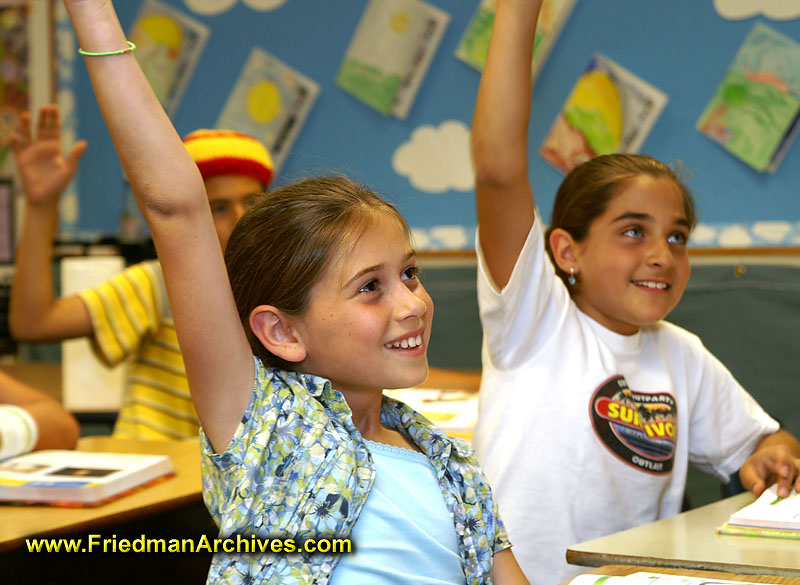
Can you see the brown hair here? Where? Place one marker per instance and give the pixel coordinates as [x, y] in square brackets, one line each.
[281, 247]
[588, 189]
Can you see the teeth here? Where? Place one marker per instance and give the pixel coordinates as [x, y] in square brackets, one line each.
[650, 284]
[405, 343]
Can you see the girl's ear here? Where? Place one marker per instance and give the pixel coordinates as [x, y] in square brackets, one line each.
[274, 330]
[565, 249]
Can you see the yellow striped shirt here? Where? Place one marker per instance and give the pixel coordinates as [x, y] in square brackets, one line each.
[131, 317]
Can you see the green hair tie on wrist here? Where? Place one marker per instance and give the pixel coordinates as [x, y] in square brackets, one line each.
[130, 49]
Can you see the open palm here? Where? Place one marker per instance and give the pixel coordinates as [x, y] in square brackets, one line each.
[43, 168]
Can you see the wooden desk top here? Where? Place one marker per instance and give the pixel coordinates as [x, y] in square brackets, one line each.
[629, 569]
[18, 522]
[689, 541]
[44, 376]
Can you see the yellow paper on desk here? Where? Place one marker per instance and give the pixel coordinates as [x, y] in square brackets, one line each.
[770, 511]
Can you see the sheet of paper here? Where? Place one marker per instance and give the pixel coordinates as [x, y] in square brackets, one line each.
[755, 110]
[609, 110]
[474, 44]
[168, 46]
[390, 53]
[270, 101]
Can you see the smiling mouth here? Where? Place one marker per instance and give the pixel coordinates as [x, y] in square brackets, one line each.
[408, 343]
[652, 284]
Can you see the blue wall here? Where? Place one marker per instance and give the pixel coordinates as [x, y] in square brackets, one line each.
[682, 47]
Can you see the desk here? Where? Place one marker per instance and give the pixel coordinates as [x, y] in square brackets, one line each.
[44, 376]
[628, 569]
[20, 522]
[689, 541]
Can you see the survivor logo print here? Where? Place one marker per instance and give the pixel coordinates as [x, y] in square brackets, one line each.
[637, 427]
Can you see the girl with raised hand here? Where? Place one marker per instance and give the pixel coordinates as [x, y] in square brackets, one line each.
[297, 441]
[591, 405]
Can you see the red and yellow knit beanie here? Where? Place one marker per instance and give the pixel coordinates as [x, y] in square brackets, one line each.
[224, 152]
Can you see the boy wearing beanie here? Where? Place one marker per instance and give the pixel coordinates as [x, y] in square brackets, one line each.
[128, 316]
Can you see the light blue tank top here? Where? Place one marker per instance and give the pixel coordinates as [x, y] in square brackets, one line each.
[405, 533]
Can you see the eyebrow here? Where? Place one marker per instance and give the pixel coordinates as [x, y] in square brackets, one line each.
[681, 221]
[369, 269]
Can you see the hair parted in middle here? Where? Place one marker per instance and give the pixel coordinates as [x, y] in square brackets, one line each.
[587, 190]
[281, 247]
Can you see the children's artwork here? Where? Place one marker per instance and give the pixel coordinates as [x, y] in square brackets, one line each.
[755, 111]
[390, 53]
[168, 46]
[14, 86]
[270, 101]
[474, 44]
[609, 110]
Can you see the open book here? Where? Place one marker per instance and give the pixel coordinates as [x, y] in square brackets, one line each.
[769, 515]
[77, 477]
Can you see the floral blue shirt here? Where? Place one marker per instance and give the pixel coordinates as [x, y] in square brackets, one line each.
[298, 468]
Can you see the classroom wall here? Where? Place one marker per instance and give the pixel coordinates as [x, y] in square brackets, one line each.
[682, 47]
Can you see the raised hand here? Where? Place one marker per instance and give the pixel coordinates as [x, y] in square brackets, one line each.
[43, 168]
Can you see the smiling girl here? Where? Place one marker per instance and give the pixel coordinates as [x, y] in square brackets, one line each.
[591, 406]
[298, 441]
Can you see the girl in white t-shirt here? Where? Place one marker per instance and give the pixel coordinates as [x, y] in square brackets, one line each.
[591, 405]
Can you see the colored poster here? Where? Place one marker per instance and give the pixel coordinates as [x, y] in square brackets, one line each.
[474, 44]
[755, 110]
[270, 101]
[609, 110]
[14, 81]
[168, 46]
[390, 53]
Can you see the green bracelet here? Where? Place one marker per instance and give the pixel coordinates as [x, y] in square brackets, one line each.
[130, 49]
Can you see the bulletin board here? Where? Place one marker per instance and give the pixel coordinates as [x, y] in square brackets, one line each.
[683, 48]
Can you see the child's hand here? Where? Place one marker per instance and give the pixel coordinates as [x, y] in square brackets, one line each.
[770, 464]
[43, 169]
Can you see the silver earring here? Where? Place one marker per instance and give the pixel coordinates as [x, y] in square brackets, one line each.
[572, 280]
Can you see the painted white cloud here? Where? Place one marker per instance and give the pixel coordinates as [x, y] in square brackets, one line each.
[450, 237]
[772, 231]
[703, 234]
[436, 159]
[774, 9]
[211, 7]
[420, 239]
[264, 5]
[735, 236]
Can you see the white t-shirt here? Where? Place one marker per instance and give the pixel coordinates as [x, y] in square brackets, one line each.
[584, 432]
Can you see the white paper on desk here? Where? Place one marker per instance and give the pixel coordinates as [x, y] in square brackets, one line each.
[645, 578]
[89, 385]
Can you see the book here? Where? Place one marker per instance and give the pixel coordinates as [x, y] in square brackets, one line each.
[77, 477]
[646, 578]
[769, 511]
[763, 532]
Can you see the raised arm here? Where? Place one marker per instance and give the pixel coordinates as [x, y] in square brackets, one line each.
[44, 170]
[172, 197]
[504, 198]
[57, 428]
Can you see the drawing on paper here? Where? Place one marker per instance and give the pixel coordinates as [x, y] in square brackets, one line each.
[270, 101]
[755, 110]
[609, 110]
[474, 44]
[390, 53]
